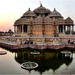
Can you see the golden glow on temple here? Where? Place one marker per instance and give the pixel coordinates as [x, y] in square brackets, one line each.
[43, 22]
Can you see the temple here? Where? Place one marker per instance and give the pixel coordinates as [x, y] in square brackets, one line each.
[43, 23]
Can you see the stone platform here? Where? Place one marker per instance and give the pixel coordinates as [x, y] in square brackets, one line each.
[40, 43]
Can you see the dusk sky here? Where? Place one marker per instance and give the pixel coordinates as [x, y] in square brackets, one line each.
[11, 10]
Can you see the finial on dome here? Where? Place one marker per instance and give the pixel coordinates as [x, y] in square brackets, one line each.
[29, 9]
[54, 9]
[40, 4]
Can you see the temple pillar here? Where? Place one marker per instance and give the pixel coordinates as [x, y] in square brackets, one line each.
[57, 29]
[72, 28]
[22, 28]
[15, 29]
[68, 28]
[60, 29]
[63, 29]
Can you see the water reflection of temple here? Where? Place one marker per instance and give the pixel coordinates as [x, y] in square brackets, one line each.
[46, 61]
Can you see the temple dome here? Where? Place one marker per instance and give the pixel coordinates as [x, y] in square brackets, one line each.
[41, 10]
[22, 21]
[55, 13]
[28, 13]
[68, 21]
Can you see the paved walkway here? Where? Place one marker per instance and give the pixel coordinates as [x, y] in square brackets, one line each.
[9, 43]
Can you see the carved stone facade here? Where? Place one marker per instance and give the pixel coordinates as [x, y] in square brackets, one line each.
[42, 22]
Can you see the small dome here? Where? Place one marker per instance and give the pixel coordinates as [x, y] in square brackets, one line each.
[22, 21]
[41, 10]
[55, 13]
[29, 13]
[68, 20]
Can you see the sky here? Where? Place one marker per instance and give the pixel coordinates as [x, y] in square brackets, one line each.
[11, 10]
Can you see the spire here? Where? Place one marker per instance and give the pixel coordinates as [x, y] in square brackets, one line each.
[40, 4]
[54, 9]
[29, 9]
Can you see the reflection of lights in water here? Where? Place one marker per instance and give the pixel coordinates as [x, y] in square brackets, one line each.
[67, 69]
[53, 72]
[29, 65]
[2, 52]
[67, 53]
[35, 53]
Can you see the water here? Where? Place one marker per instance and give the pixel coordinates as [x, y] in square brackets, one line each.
[49, 63]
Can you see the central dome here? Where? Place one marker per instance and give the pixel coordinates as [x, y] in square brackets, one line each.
[42, 10]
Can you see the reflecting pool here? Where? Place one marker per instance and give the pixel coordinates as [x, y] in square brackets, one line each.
[49, 63]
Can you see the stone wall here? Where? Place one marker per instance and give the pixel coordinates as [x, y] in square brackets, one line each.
[37, 40]
[49, 30]
[37, 30]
